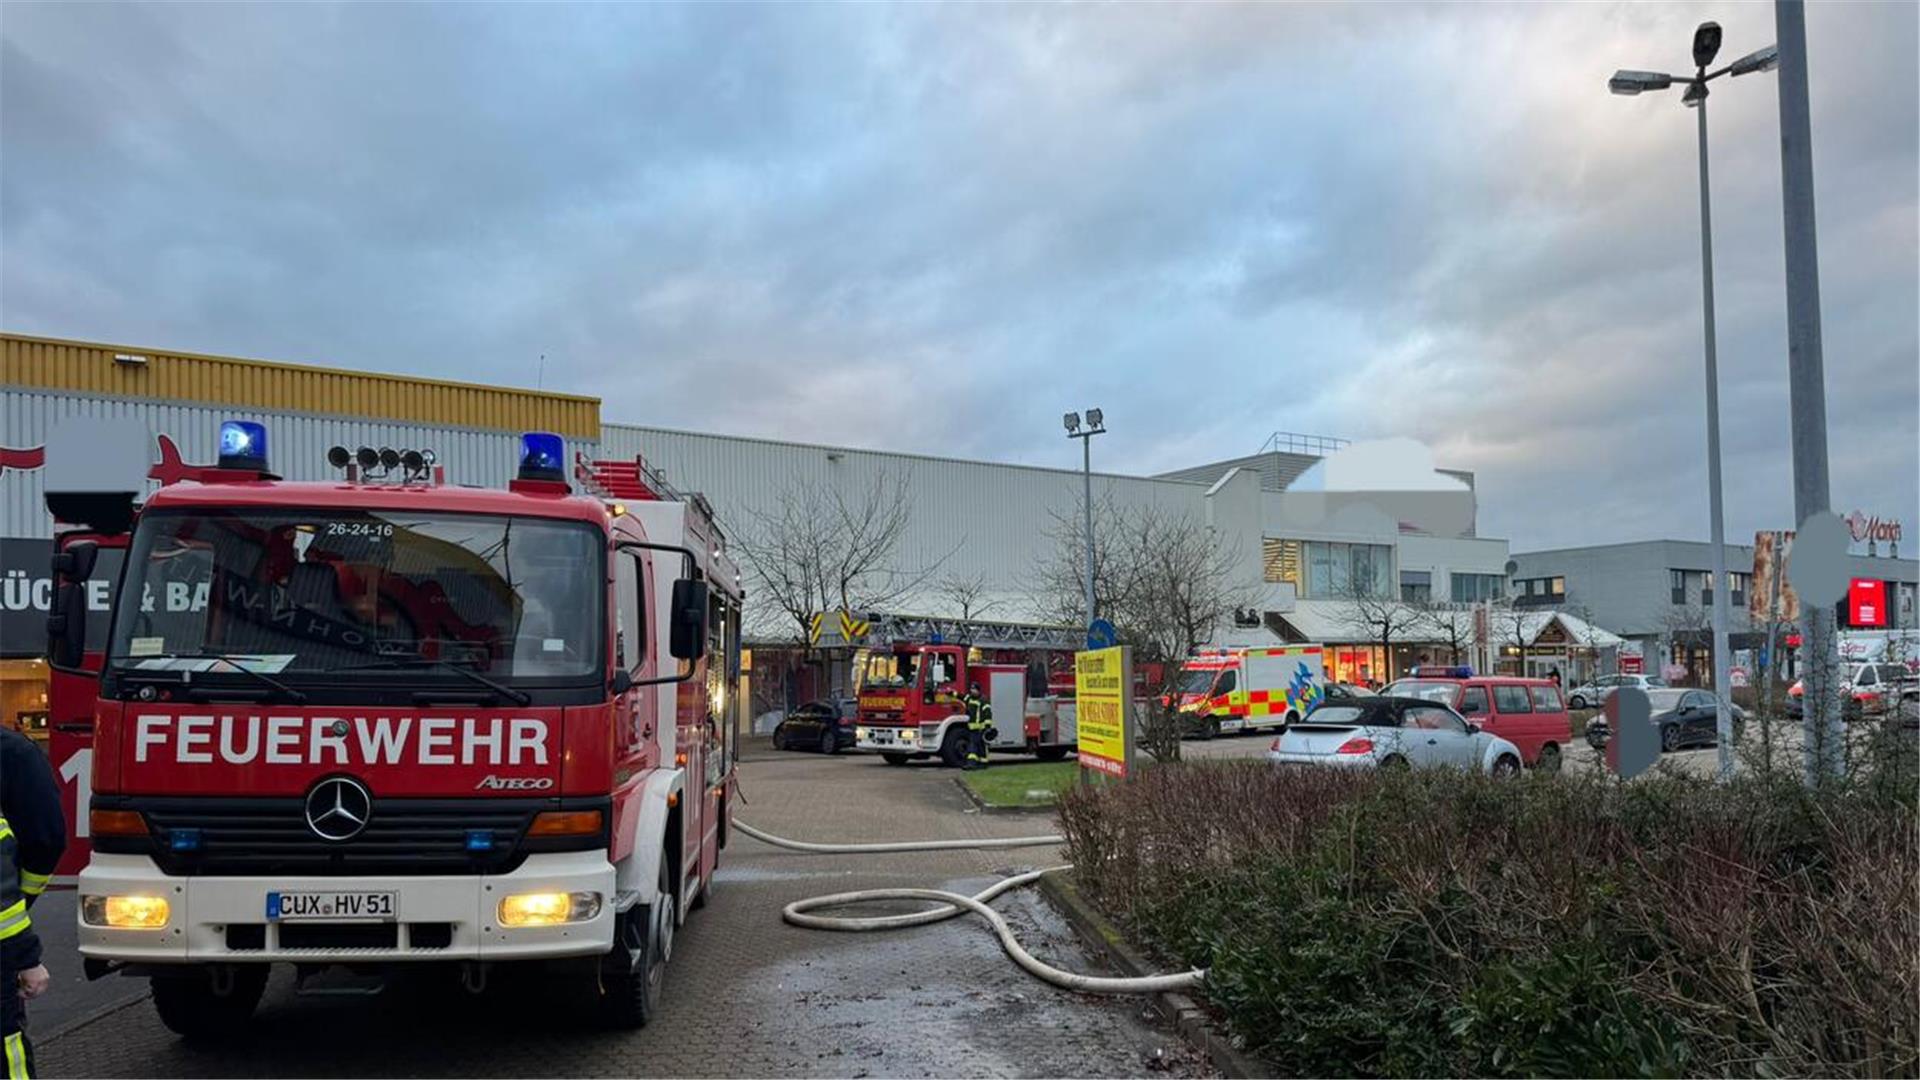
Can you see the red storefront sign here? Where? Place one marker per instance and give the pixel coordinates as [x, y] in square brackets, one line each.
[1867, 602]
[1631, 665]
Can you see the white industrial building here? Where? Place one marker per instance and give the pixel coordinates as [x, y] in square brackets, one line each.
[1302, 519]
[1300, 527]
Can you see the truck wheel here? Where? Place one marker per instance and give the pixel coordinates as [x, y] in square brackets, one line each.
[1213, 727]
[1051, 753]
[631, 975]
[953, 748]
[896, 759]
[196, 1009]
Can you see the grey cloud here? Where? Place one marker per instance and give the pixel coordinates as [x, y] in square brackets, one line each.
[935, 228]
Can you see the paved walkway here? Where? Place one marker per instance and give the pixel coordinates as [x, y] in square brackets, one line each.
[746, 995]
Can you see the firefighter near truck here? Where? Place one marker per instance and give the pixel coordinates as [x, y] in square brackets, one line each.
[913, 710]
[392, 722]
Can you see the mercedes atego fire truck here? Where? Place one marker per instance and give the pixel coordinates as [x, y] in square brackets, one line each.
[389, 721]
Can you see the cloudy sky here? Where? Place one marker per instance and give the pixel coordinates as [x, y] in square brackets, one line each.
[937, 228]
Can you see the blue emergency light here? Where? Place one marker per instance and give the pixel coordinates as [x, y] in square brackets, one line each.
[243, 445]
[1443, 671]
[184, 839]
[543, 456]
[479, 840]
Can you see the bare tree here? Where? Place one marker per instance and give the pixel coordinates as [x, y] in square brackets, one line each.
[965, 596]
[1446, 626]
[1164, 579]
[825, 547]
[1380, 618]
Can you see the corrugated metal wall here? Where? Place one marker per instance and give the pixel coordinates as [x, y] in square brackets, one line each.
[297, 444]
[985, 520]
[89, 368]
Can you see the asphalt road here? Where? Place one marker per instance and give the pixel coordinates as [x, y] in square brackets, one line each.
[746, 994]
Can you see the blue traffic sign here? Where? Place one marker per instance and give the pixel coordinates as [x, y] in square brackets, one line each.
[1101, 635]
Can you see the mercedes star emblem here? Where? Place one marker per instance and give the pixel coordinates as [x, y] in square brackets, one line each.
[338, 808]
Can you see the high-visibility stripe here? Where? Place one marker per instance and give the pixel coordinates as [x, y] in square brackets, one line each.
[13, 919]
[6, 830]
[33, 884]
[17, 1057]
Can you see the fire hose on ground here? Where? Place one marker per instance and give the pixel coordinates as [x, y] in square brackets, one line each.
[952, 904]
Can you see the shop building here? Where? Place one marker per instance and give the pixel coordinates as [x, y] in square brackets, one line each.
[1658, 595]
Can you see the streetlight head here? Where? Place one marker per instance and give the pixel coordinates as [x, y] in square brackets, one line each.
[1759, 60]
[1072, 420]
[1706, 43]
[1696, 93]
[1094, 418]
[1629, 83]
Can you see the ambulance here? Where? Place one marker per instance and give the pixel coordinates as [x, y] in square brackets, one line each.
[1249, 689]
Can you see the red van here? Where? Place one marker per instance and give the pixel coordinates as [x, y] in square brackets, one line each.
[1529, 713]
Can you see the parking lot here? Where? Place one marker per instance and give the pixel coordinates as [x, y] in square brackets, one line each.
[746, 994]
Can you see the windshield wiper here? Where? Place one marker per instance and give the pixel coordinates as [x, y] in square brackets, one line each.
[518, 697]
[261, 677]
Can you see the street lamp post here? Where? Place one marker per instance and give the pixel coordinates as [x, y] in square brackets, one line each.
[1094, 426]
[1706, 45]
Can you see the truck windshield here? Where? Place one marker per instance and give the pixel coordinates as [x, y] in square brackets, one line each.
[387, 595]
[1197, 680]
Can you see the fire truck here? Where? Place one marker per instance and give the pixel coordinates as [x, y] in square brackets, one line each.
[909, 703]
[390, 722]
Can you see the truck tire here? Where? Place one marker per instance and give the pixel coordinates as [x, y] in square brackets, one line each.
[191, 1007]
[631, 975]
[1051, 753]
[896, 759]
[953, 748]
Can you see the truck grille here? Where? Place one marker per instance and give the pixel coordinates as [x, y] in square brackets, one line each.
[246, 836]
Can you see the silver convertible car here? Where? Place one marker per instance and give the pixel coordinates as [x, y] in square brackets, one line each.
[1393, 732]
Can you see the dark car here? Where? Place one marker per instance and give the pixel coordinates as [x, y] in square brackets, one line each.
[824, 727]
[1683, 718]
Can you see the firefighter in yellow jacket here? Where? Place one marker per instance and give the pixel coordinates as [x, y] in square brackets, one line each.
[979, 726]
[33, 832]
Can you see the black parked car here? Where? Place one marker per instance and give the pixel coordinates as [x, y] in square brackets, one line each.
[825, 727]
[1683, 718]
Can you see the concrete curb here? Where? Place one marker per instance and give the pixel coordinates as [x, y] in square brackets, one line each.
[1185, 1014]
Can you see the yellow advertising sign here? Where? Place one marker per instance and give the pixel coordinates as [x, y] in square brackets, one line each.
[1103, 688]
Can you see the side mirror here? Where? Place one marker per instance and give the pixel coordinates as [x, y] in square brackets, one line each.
[687, 635]
[67, 626]
[75, 562]
[622, 682]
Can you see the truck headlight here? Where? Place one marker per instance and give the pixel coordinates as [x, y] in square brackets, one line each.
[548, 908]
[909, 734]
[860, 733]
[125, 912]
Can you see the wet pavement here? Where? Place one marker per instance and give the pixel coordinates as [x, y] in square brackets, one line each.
[746, 994]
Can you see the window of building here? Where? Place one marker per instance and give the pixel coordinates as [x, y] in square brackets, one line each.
[1472, 588]
[1542, 589]
[1416, 586]
[1281, 560]
[1334, 570]
[1677, 581]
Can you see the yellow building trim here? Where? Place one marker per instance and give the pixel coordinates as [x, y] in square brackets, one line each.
[88, 367]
